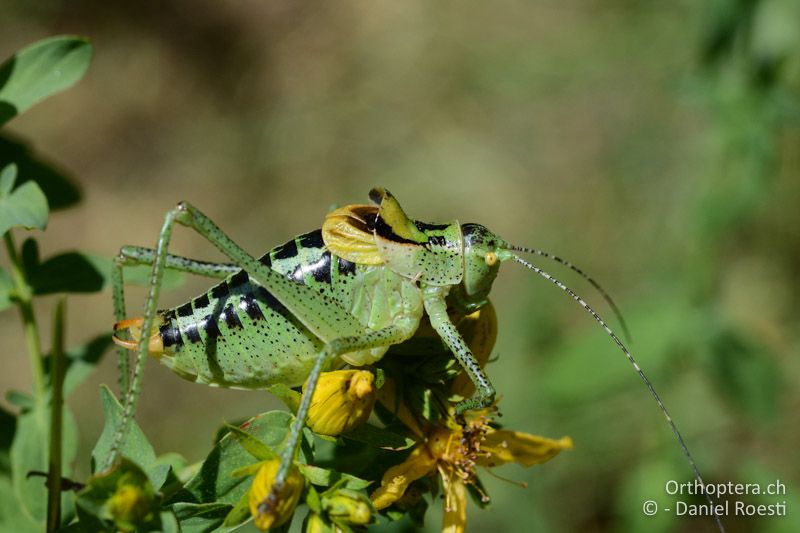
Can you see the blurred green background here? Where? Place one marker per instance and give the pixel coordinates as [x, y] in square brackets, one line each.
[654, 144]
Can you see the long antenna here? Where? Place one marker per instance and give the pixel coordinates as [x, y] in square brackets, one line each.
[638, 369]
[588, 278]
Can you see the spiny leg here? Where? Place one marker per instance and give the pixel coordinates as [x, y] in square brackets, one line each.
[136, 255]
[395, 334]
[319, 313]
[436, 308]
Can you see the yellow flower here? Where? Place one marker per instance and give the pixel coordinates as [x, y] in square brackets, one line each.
[342, 400]
[268, 514]
[455, 452]
[348, 506]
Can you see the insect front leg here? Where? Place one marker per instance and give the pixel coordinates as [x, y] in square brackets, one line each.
[136, 255]
[436, 308]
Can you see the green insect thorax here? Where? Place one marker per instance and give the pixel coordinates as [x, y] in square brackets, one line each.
[448, 254]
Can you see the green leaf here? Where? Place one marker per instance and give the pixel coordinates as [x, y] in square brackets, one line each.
[26, 206]
[254, 447]
[6, 290]
[169, 524]
[73, 272]
[82, 361]
[200, 517]
[214, 482]
[135, 445]
[30, 254]
[8, 176]
[57, 185]
[324, 477]
[379, 437]
[29, 452]
[12, 517]
[239, 514]
[40, 70]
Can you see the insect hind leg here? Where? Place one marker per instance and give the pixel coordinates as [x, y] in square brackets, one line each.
[402, 330]
[319, 314]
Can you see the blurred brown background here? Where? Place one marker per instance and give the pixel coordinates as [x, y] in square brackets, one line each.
[655, 144]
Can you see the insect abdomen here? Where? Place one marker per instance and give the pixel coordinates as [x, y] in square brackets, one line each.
[239, 335]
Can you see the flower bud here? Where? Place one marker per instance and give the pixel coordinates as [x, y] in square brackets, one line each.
[129, 506]
[348, 506]
[316, 524]
[267, 514]
[342, 400]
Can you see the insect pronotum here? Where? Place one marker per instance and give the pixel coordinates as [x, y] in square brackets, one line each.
[284, 317]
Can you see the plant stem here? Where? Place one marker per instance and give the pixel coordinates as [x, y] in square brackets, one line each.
[56, 415]
[24, 300]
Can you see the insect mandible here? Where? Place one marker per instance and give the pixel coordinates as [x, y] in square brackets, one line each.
[341, 294]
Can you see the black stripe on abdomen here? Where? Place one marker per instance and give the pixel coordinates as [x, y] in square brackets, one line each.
[286, 251]
[250, 306]
[346, 267]
[312, 239]
[170, 336]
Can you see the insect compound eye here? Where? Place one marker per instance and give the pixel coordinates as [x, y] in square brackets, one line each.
[490, 258]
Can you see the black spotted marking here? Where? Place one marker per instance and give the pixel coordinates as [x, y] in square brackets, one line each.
[346, 267]
[270, 301]
[170, 336]
[312, 239]
[286, 251]
[185, 310]
[231, 318]
[209, 325]
[220, 291]
[191, 333]
[239, 279]
[201, 302]
[250, 306]
[266, 260]
[168, 316]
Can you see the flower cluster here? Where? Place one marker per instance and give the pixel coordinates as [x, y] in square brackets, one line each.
[441, 448]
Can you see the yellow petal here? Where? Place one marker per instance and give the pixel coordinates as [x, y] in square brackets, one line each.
[455, 504]
[397, 479]
[503, 446]
[342, 401]
[286, 500]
